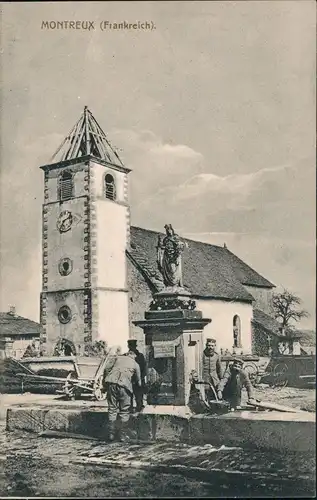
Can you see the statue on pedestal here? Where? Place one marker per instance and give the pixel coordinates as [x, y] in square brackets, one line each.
[169, 250]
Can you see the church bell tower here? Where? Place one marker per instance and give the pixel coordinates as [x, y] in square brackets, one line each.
[86, 224]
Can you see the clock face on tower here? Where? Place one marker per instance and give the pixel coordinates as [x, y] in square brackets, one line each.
[64, 221]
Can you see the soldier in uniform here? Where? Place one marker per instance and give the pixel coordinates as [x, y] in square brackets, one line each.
[212, 370]
[121, 374]
[234, 379]
[137, 390]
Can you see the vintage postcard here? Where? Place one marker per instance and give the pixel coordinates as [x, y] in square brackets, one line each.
[157, 323]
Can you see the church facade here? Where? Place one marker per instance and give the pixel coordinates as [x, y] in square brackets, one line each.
[224, 288]
[99, 272]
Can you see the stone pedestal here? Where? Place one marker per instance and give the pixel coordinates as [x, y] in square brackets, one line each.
[173, 331]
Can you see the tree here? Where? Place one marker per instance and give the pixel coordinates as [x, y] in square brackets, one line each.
[286, 306]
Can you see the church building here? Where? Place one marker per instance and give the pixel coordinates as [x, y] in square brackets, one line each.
[99, 272]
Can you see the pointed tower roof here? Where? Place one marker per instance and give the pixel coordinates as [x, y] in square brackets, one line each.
[86, 138]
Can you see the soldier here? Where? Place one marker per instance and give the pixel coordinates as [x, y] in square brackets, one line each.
[121, 373]
[138, 391]
[212, 371]
[234, 379]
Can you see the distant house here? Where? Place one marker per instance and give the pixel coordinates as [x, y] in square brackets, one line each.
[308, 341]
[16, 334]
[269, 336]
[224, 287]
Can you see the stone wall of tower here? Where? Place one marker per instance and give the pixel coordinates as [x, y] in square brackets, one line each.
[77, 301]
[110, 227]
[71, 289]
[70, 244]
[112, 318]
[86, 232]
[95, 291]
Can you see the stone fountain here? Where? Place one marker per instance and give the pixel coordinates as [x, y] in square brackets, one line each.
[173, 329]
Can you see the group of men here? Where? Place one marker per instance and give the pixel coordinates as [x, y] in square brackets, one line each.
[225, 385]
[125, 380]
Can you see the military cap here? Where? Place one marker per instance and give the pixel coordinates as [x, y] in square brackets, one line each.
[237, 361]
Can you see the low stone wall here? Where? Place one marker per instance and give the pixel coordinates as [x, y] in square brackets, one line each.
[282, 431]
[274, 430]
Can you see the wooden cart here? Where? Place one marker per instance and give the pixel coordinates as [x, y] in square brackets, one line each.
[282, 371]
[84, 374]
[291, 370]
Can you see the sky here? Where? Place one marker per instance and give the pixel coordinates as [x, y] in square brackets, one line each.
[213, 110]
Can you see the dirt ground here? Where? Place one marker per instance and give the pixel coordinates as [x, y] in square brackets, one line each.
[34, 466]
[44, 467]
[303, 399]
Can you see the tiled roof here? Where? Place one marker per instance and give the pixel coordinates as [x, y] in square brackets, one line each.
[245, 274]
[17, 325]
[272, 325]
[308, 337]
[208, 270]
[268, 322]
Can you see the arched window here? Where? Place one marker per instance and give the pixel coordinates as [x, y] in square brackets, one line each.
[65, 347]
[66, 186]
[110, 187]
[236, 331]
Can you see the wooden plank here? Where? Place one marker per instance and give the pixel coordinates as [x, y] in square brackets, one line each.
[41, 377]
[76, 142]
[69, 435]
[266, 405]
[99, 140]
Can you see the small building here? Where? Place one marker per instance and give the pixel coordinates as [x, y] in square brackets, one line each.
[308, 341]
[16, 334]
[269, 338]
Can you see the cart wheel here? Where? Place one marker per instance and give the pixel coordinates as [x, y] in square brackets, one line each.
[99, 391]
[252, 371]
[69, 387]
[267, 376]
[280, 376]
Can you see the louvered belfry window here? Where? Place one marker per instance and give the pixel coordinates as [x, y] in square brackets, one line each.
[110, 187]
[66, 186]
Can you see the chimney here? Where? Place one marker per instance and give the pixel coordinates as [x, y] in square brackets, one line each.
[224, 245]
[12, 311]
